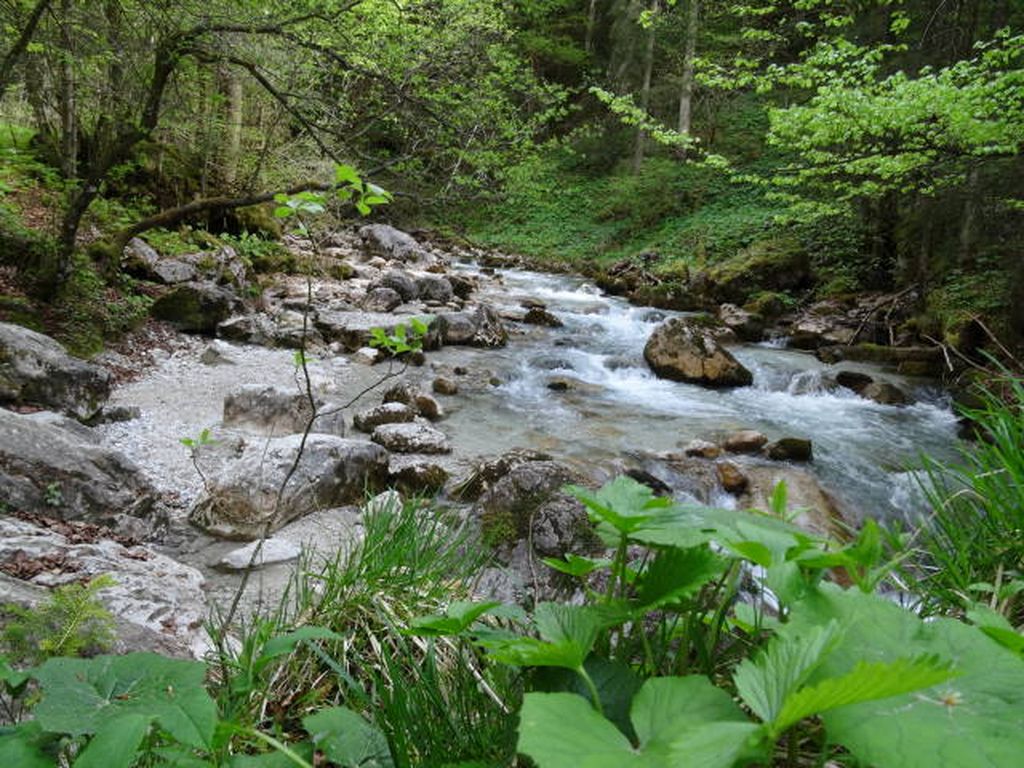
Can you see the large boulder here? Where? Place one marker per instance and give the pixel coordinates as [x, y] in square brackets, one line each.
[412, 437]
[158, 604]
[434, 288]
[355, 329]
[747, 325]
[196, 307]
[385, 413]
[381, 299]
[529, 503]
[685, 349]
[243, 502]
[35, 369]
[400, 282]
[44, 467]
[275, 411]
[819, 511]
[480, 327]
[384, 240]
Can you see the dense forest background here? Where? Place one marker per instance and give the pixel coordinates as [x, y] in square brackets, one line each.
[764, 153]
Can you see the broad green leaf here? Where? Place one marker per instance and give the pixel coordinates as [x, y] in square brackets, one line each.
[973, 721]
[622, 503]
[767, 682]
[456, 619]
[82, 696]
[574, 565]
[615, 681]
[675, 574]
[567, 635]
[303, 749]
[283, 212]
[346, 174]
[116, 745]
[347, 740]
[865, 682]
[561, 730]
[24, 746]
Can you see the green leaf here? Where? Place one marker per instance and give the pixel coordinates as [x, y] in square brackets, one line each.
[973, 721]
[567, 635]
[766, 683]
[346, 174]
[676, 574]
[282, 645]
[283, 212]
[867, 681]
[82, 696]
[347, 739]
[574, 565]
[117, 744]
[459, 617]
[24, 747]
[622, 503]
[561, 730]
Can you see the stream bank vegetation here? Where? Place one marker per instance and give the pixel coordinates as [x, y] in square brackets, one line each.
[705, 636]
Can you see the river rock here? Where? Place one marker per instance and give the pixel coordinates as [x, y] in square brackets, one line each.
[489, 471]
[414, 476]
[748, 326]
[444, 386]
[480, 327]
[702, 449]
[541, 316]
[463, 286]
[434, 288]
[353, 330]
[411, 438]
[44, 467]
[684, 349]
[36, 370]
[745, 441]
[884, 393]
[401, 283]
[218, 353]
[853, 380]
[274, 411]
[158, 604]
[572, 384]
[814, 330]
[529, 503]
[367, 356]
[242, 501]
[272, 550]
[381, 299]
[790, 449]
[427, 406]
[196, 307]
[384, 240]
[819, 511]
[731, 477]
[386, 413]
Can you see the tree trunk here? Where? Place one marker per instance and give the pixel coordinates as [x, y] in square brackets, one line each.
[68, 122]
[969, 219]
[645, 94]
[686, 87]
[588, 44]
[233, 140]
[13, 56]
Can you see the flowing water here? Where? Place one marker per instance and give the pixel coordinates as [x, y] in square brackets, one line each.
[862, 450]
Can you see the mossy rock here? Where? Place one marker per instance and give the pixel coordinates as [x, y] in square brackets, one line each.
[775, 264]
[195, 307]
[259, 220]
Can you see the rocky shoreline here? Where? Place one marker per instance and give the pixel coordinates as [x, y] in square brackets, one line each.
[275, 431]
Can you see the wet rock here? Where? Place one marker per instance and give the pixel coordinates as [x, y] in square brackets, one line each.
[748, 326]
[242, 501]
[480, 327]
[273, 550]
[884, 393]
[853, 380]
[274, 411]
[381, 299]
[745, 441]
[384, 240]
[416, 477]
[445, 386]
[427, 407]
[813, 330]
[367, 356]
[909, 360]
[411, 438]
[731, 477]
[571, 384]
[36, 370]
[44, 467]
[790, 449]
[819, 511]
[387, 413]
[434, 288]
[541, 316]
[196, 307]
[702, 449]
[402, 392]
[353, 329]
[529, 503]
[462, 285]
[158, 604]
[401, 283]
[487, 472]
[685, 349]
